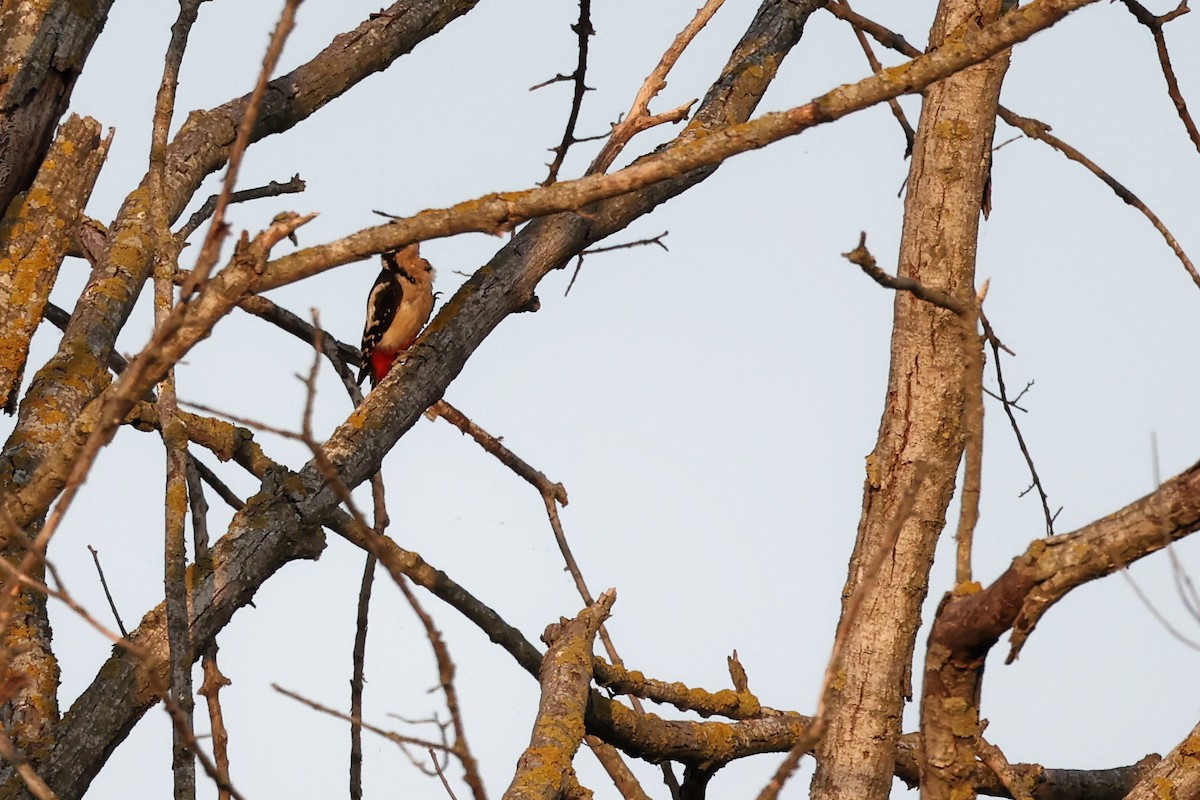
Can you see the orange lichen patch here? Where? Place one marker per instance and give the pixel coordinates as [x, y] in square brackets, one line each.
[1189, 751]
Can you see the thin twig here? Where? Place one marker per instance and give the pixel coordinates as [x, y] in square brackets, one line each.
[357, 677]
[272, 189]
[1155, 24]
[461, 750]
[658, 240]
[104, 584]
[391, 736]
[972, 384]
[210, 251]
[214, 680]
[584, 30]
[223, 491]
[1008, 406]
[639, 119]
[174, 437]
[910, 135]
[1158, 615]
[1035, 129]
[440, 774]
[339, 353]
[210, 690]
[861, 256]
[536, 478]
[1041, 131]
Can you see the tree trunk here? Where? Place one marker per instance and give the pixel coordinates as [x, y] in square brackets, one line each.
[922, 421]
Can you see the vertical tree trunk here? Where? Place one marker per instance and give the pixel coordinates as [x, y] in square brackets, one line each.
[922, 420]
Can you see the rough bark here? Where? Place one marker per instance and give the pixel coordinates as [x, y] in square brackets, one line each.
[1176, 777]
[36, 232]
[922, 422]
[43, 47]
[566, 676]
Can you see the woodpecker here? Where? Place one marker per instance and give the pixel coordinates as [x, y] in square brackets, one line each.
[397, 308]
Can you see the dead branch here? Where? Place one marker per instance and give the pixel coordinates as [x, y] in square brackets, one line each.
[1035, 129]
[584, 30]
[994, 757]
[272, 189]
[861, 256]
[534, 477]
[1039, 130]
[391, 736]
[565, 676]
[658, 240]
[1008, 406]
[732, 703]
[842, 10]
[638, 118]
[107, 594]
[37, 234]
[1155, 24]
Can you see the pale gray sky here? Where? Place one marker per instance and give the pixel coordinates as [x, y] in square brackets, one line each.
[708, 408]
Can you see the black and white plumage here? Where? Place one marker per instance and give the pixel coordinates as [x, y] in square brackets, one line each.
[397, 309]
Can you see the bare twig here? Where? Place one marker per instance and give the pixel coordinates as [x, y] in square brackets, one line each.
[1158, 615]
[841, 9]
[972, 383]
[272, 189]
[639, 119]
[658, 240]
[210, 690]
[440, 774]
[461, 749]
[166, 255]
[1035, 129]
[584, 30]
[214, 680]
[210, 251]
[1040, 130]
[357, 675]
[391, 736]
[223, 491]
[493, 445]
[1008, 406]
[104, 584]
[861, 256]
[1155, 24]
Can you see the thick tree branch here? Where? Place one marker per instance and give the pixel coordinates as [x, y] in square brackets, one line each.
[45, 47]
[566, 676]
[923, 418]
[37, 232]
